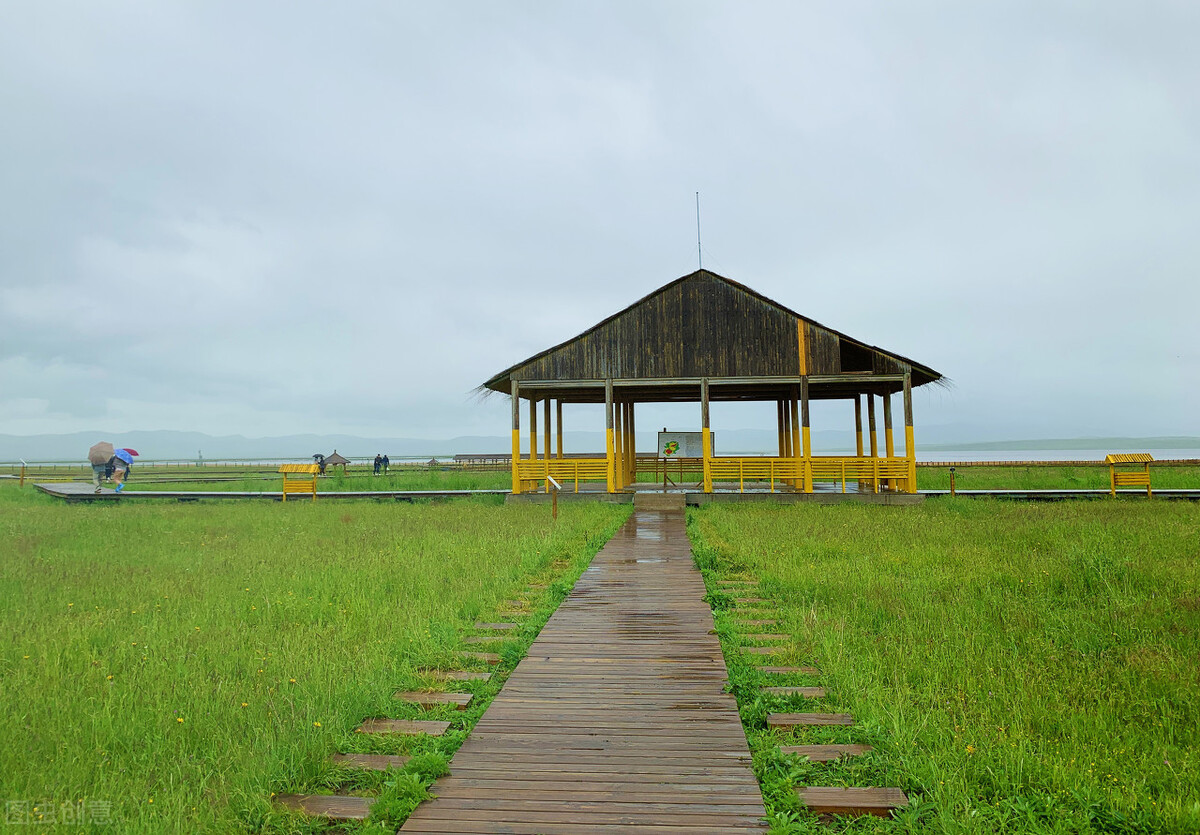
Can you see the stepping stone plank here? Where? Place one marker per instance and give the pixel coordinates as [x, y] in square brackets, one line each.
[766, 636]
[807, 692]
[489, 657]
[328, 806]
[460, 675]
[761, 650]
[746, 601]
[459, 700]
[483, 639]
[757, 622]
[825, 753]
[812, 671]
[789, 720]
[852, 801]
[403, 727]
[501, 626]
[370, 762]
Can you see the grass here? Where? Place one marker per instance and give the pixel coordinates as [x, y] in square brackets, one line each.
[178, 664]
[1017, 667]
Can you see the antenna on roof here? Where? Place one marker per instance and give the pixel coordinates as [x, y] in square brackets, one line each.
[699, 252]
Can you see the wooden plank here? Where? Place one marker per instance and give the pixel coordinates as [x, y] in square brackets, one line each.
[789, 720]
[403, 727]
[852, 801]
[370, 762]
[329, 806]
[617, 719]
[770, 622]
[459, 700]
[459, 675]
[498, 626]
[766, 636]
[811, 671]
[484, 639]
[825, 753]
[489, 657]
[761, 650]
[807, 692]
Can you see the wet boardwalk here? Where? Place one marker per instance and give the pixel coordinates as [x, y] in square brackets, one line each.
[616, 720]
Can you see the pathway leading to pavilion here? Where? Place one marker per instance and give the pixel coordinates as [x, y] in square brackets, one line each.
[615, 721]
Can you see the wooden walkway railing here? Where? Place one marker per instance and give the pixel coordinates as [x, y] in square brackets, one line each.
[616, 721]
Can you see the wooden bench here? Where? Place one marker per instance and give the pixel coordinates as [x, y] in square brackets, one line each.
[1127, 478]
[300, 478]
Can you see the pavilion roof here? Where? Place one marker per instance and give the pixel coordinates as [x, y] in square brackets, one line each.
[703, 325]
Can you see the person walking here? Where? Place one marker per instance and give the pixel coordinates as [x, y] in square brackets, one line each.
[378, 462]
[385, 463]
[100, 456]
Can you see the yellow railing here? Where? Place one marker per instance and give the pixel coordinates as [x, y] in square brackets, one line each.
[800, 473]
[563, 470]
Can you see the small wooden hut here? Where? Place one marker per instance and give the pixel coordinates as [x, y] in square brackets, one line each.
[705, 338]
[336, 460]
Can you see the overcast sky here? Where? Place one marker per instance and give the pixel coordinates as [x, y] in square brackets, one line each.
[279, 217]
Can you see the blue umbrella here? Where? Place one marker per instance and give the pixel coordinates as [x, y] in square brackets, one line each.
[124, 456]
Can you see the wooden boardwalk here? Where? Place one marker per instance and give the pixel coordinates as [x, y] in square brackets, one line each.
[616, 721]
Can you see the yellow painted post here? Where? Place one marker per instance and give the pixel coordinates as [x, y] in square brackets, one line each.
[546, 448]
[516, 437]
[608, 435]
[889, 444]
[706, 436]
[909, 445]
[874, 435]
[631, 444]
[619, 441]
[858, 439]
[796, 448]
[805, 435]
[533, 431]
[558, 427]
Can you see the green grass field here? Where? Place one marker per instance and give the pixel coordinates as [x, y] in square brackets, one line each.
[171, 666]
[1017, 667]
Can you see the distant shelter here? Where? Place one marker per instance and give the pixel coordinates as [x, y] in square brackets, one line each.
[704, 338]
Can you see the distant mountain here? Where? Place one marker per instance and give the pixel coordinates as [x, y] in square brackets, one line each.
[188, 446]
[1115, 444]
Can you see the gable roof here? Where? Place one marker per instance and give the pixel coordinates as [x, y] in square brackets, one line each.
[705, 325]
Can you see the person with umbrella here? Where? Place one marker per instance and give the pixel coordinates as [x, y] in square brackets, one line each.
[123, 464]
[99, 456]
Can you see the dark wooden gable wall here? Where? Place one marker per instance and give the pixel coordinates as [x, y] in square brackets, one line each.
[702, 325]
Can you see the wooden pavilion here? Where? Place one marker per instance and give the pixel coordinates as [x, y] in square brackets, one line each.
[705, 338]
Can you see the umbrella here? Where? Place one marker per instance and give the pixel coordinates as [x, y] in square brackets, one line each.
[124, 455]
[131, 451]
[100, 453]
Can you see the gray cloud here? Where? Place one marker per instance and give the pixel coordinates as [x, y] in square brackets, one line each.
[296, 217]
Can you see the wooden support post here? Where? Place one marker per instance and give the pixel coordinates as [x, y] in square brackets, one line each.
[706, 435]
[608, 433]
[794, 437]
[618, 444]
[858, 443]
[779, 427]
[546, 434]
[805, 437]
[874, 436]
[889, 444]
[909, 445]
[516, 436]
[631, 429]
[533, 429]
[558, 426]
